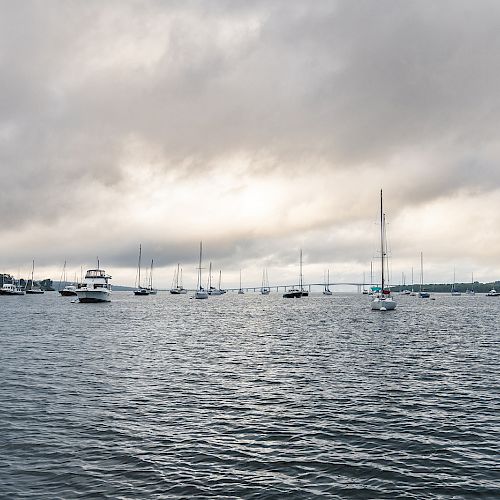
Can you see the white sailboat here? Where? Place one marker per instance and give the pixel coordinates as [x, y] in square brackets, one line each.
[454, 291]
[412, 292]
[265, 290]
[240, 291]
[326, 290]
[177, 288]
[200, 293]
[140, 290]
[151, 289]
[471, 291]
[423, 294]
[383, 300]
[211, 289]
[33, 289]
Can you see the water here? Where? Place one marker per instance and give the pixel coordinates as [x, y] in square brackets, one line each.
[249, 397]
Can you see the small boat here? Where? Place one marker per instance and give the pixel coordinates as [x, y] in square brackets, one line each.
[240, 291]
[454, 292]
[96, 287]
[211, 289]
[33, 289]
[151, 290]
[326, 289]
[297, 293]
[404, 290]
[493, 293]
[423, 294]
[471, 291]
[383, 300]
[68, 291]
[11, 289]
[264, 289]
[177, 288]
[140, 291]
[200, 293]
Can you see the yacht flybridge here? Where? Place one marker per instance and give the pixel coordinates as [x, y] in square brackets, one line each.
[95, 288]
[383, 300]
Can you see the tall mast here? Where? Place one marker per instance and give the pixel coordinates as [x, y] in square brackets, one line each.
[300, 275]
[177, 277]
[371, 274]
[421, 270]
[210, 276]
[138, 267]
[220, 277]
[382, 237]
[32, 272]
[151, 276]
[199, 269]
[412, 278]
[240, 279]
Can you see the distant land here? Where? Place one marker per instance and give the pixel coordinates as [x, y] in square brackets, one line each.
[49, 285]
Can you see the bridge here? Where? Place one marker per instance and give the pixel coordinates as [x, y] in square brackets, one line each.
[307, 286]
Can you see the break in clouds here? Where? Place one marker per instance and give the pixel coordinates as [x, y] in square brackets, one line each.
[259, 127]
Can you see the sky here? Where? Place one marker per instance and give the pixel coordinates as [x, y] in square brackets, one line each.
[258, 127]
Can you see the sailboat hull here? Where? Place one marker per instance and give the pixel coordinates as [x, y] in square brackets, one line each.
[383, 304]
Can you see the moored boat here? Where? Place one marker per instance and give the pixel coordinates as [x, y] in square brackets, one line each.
[11, 289]
[383, 300]
[95, 288]
[200, 293]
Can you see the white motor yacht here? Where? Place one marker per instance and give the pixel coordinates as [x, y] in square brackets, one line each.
[11, 289]
[492, 293]
[96, 287]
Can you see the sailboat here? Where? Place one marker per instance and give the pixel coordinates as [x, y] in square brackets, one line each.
[326, 290]
[177, 288]
[151, 290]
[264, 289]
[454, 291]
[140, 290]
[33, 289]
[200, 293]
[365, 291]
[240, 291]
[296, 293]
[211, 289]
[404, 290]
[383, 300]
[471, 291]
[412, 292]
[423, 294]
[68, 290]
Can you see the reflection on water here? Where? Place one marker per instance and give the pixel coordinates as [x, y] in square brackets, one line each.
[248, 396]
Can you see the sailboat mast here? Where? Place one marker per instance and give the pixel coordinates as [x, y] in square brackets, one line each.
[421, 270]
[199, 269]
[32, 272]
[382, 238]
[371, 274]
[210, 276]
[412, 278]
[151, 276]
[138, 268]
[220, 277]
[240, 279]
[300, 276]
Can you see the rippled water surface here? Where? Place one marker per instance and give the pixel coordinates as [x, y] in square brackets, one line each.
[249, 397]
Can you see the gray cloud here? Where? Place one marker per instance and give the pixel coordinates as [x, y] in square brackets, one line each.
[356, 94]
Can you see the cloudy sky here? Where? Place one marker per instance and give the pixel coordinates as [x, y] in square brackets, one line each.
[259, 127]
